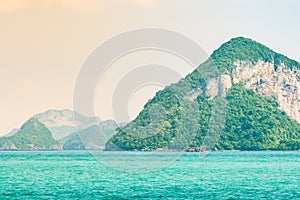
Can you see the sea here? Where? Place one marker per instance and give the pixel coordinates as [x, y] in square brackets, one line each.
[149, 175]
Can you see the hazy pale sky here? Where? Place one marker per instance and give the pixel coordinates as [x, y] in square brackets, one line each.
[43, 43]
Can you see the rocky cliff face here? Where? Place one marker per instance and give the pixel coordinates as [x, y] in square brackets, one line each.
[267, 80]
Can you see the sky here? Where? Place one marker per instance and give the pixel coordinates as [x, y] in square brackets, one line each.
[44, 43]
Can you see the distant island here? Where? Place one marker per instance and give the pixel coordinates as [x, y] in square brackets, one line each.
[260, 89]
[58, 130]
[33, 135]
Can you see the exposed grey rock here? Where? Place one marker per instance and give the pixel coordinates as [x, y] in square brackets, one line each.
[282, 83]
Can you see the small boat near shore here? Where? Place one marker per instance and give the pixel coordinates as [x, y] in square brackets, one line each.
[195, 149]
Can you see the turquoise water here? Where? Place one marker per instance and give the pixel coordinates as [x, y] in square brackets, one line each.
[114, 175]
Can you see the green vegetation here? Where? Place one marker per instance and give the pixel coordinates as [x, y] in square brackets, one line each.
[247, 50]
[33, 135]
[256, 123]
[93, 137]
[174, 120]
[252, 123]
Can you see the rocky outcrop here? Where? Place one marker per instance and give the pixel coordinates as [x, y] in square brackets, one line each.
[218, 86]
[267, 80]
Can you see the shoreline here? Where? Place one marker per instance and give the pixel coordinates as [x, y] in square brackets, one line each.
[166, 151]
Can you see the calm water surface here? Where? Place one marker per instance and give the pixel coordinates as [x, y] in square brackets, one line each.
[80, 175]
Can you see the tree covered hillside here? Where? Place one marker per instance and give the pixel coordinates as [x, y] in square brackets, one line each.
[253, 122]
[33, 135]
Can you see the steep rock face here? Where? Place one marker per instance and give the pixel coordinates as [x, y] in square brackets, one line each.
[267, 81]
[217, 86]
